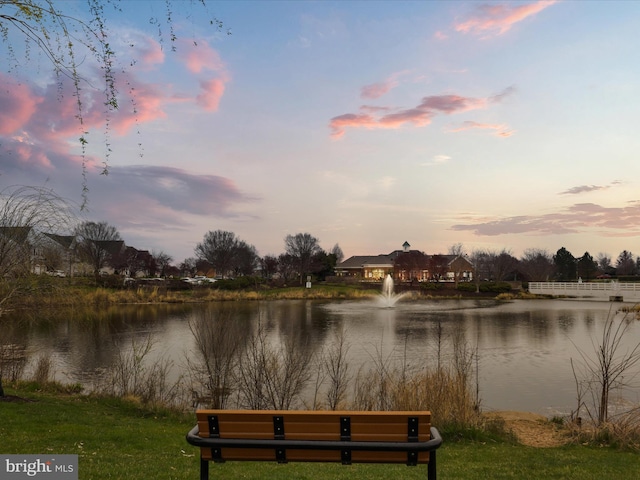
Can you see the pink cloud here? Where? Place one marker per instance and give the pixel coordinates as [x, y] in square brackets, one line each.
[452, 103]
[612, 221]
[144, 104]
[416, 116]
[151, 52]
[212, 91]
[377, 90]
[200, 57]
[498, 19]
[17, 105]
[440, 35]
[339, 123]
[419, 116]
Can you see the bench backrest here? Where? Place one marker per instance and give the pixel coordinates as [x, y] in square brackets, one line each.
[354, 426]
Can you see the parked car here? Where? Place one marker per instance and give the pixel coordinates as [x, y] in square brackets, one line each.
[198, 280]
[57, 273]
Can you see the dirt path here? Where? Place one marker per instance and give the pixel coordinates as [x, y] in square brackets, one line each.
[532, 429]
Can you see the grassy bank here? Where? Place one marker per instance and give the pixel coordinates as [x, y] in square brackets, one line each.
[121, 440]
[43, 291]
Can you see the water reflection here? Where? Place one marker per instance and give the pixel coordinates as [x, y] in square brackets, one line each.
[524, 347]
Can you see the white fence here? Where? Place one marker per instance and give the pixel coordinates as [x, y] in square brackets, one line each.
[605, 290]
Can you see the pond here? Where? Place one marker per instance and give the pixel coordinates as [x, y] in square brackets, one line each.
[524, 347]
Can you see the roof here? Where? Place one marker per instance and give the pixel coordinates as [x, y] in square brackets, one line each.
[16, 234]
[114, 247]
[64, 240]
[360, 261]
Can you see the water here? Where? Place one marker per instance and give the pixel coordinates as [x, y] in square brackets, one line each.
[524, 347]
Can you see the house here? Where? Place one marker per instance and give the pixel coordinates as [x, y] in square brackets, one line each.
[58, 252]
[407, 265]
[133, 262]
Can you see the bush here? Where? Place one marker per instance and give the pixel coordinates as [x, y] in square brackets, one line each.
[467, 287]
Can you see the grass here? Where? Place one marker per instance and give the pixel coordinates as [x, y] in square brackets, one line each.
[117, 439]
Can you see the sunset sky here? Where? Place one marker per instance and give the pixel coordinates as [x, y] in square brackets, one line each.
[496, 125]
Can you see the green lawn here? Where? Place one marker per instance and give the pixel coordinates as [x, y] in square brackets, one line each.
[118, 440]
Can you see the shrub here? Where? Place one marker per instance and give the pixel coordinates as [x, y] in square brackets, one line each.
[466, 287]
[495, 287]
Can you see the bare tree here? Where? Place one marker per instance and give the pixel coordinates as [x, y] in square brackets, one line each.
[188, 266]
[218, 338]
[337, 368]
[269, 266]
[287, 267]
[302, 247]
[456, 249]
[227, 254]
[163, 261]
[503, 263]
[438, 265]
[246, 260]
[611, 369]
[98, 242]
[273, 377]
[480, 261]
[287, 372]
[537, 264]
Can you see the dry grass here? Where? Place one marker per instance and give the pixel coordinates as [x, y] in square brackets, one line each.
[620, 431]
[447, 394]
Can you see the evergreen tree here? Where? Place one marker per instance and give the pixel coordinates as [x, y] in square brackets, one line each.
[565, 264]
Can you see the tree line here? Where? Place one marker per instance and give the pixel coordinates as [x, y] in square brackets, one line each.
[36, 219]
[36, 225]
[541, 265]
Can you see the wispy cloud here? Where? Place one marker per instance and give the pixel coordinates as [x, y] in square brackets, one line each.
[199, 58]
[589, 188]
[202, 58]
[377, 90]
[211, 93]
[419, 116]
[500, 130]
[581, 217]
[179, 189]
[437, 160]
[497, 19]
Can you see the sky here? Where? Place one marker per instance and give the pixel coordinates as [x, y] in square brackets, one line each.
[497, 125]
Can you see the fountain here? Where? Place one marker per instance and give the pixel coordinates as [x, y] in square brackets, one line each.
[388, 298]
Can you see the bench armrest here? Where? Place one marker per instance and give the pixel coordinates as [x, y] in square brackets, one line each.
[195, 439]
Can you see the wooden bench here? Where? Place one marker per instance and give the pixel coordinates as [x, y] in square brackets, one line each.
[315, 436]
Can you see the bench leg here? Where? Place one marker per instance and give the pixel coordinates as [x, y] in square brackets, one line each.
[204, 469]
[431, 466]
